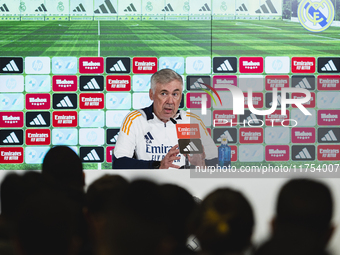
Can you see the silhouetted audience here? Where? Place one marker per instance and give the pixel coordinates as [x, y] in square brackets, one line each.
[63, 168]
[192, 241]
[15, 189]
[44, 214]
[138, 225]
[225, 223]
[103, 193]
[62, 171]
[179, 208]
[62, 179]
[48, 224]
[102, 196]
[302, 225]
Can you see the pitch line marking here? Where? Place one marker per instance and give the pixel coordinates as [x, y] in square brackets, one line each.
[98, 27]
[335, 39]
[98, 40]
[242, 23]
[98, 48]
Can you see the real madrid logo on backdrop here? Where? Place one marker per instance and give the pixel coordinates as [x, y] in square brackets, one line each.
[186, 6]
[223, 6]
[60, 7]
[149, 7]
[317, 15]
[22, 7]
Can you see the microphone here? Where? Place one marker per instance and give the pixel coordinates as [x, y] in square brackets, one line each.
[186, 166]
[189, 140]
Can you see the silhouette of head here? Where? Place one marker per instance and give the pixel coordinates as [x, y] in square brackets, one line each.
[226, 222]
[62, 164]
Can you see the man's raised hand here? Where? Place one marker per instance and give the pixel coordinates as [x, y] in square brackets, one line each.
[169, 158]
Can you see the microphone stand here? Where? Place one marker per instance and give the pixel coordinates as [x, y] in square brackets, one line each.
[186, 166]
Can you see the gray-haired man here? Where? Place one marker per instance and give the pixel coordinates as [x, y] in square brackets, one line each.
[148, 137]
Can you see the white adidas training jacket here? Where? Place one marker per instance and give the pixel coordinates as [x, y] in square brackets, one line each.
[148, 139]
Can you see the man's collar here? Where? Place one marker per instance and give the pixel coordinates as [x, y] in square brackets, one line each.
[149, 113]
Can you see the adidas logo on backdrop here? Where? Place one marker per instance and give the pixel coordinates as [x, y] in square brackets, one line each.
[38, 119]
[92, 154]
[329, 65]
[11, 137]
[303, 152]
[328, 135]
[225, 64]
[11, 65]
[91, 83]
[304, 82]
[118, 65]
[64, 101]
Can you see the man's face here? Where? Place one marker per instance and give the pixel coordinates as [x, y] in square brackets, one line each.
[166, 99]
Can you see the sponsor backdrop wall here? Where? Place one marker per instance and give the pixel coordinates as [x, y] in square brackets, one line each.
[71, 70]
[73, 82]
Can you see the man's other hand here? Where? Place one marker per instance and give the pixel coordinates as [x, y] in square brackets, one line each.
[197, 159]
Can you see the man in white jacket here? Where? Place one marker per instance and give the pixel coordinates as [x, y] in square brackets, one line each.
[148, 138]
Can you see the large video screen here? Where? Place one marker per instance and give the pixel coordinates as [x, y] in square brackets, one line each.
[70, 71]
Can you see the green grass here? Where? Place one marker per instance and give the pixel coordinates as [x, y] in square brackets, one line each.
[272, 38]
[116, 38]
[166, 38]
